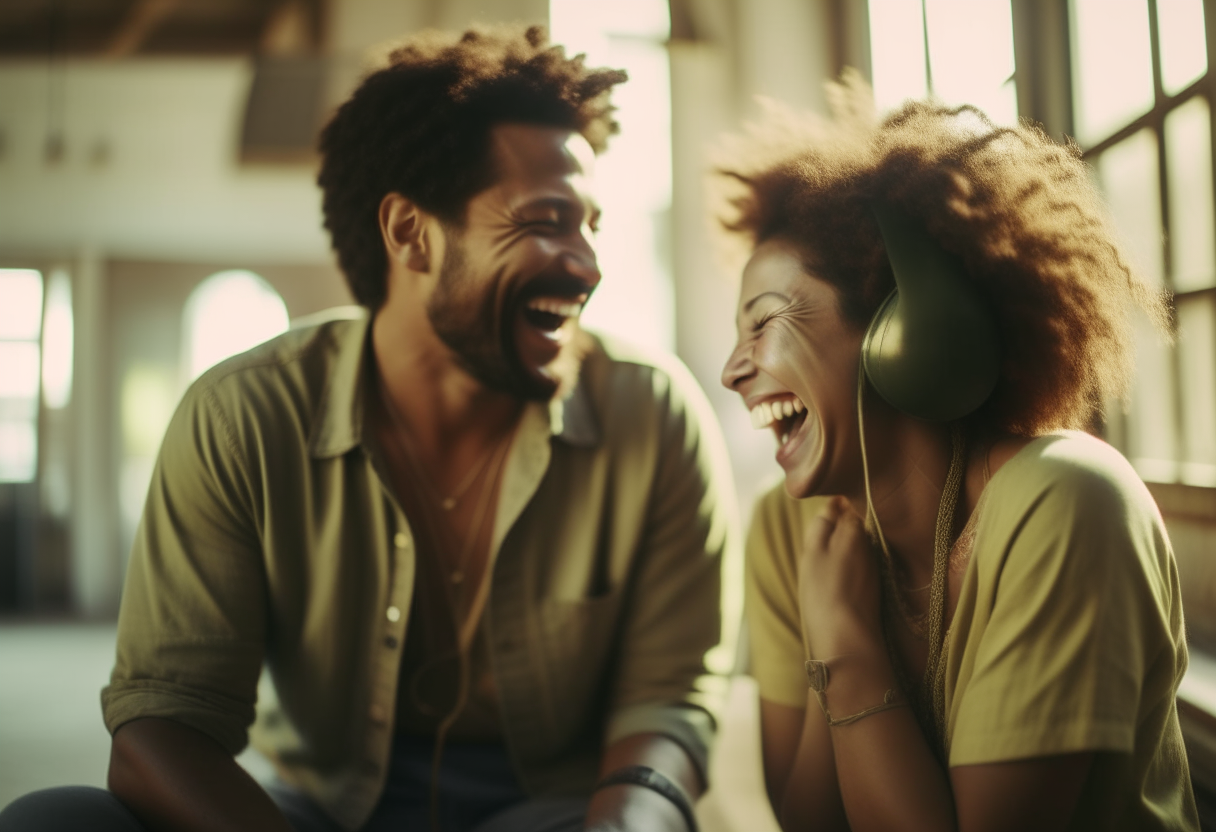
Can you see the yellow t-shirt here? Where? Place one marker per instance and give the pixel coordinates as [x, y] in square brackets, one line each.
[1068, 635]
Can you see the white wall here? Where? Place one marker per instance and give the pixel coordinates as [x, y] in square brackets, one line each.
[169, 185]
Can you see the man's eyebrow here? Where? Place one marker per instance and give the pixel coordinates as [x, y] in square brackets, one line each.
[747, 306]
[559, 202]
[590, 207]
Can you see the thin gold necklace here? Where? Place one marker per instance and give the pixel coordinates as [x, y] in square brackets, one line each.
[402, 430]
[933, 684]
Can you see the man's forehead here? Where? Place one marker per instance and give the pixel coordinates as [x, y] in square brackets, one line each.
[541, 149]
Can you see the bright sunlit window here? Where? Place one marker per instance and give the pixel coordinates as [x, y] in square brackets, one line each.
[1169, 429]
[20, 328]
[1112, 65]
[970, 54]
[633, 178]
[1184, 56]
[57, 342]
[227, 314]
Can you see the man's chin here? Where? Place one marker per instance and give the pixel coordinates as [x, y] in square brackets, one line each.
[557, 377]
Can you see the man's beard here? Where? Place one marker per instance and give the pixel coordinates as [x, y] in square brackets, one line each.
[481, 331]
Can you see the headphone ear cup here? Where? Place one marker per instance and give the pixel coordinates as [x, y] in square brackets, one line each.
[932, 349]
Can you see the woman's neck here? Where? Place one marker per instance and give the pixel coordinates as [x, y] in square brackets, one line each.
[908, 462]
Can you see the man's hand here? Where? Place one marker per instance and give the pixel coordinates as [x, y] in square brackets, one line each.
[628, 808]
[173, 777]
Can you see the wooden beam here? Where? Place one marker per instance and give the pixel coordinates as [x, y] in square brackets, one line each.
[142, 20]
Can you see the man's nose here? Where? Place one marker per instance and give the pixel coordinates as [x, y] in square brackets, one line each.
[738, 368]
[582, 263]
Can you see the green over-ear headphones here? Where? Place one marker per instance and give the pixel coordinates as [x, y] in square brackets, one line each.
[932, 348]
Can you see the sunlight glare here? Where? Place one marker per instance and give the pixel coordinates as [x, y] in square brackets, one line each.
[228, 313]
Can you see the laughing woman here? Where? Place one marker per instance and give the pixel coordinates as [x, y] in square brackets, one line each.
[984, 630]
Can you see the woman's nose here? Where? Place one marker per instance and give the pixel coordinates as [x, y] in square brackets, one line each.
[738, 368]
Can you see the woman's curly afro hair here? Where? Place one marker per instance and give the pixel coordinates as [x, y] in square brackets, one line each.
[421, 127]
[1019, 209]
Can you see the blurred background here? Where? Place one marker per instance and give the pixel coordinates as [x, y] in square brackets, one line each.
[158, 213]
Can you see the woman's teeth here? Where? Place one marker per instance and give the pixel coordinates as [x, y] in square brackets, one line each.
[765, 413]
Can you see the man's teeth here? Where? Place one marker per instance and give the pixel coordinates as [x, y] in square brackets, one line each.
[556, 306]
[765, 413]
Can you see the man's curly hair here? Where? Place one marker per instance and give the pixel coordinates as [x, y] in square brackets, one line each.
[421, 127]
[1019, 209]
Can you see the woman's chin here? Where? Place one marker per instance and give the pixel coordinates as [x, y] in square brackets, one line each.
[803, 465]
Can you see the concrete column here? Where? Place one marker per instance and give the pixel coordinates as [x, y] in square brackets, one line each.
[95, 566]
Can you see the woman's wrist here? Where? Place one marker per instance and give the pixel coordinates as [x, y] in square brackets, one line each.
[845, 635]
[857, 681]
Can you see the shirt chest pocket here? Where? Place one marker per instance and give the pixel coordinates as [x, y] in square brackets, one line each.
[579, 639]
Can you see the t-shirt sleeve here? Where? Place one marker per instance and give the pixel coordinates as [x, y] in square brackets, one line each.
[192, 625]
[771, 596]
[1078, 612]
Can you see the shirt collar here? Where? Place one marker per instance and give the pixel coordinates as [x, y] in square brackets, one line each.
[339, 424]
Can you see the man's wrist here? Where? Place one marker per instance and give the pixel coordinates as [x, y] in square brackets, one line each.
[656, 793]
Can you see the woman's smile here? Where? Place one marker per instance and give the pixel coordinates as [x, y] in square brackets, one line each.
[795, 366]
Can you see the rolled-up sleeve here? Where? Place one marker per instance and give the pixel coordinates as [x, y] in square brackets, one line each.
[676, 645]
[192, 625]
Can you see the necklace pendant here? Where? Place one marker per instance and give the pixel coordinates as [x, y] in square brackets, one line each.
[457, 576]
[448, 503]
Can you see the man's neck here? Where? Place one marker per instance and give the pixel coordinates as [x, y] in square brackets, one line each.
[447, 411]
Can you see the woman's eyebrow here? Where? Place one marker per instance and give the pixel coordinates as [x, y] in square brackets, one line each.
[747, 306]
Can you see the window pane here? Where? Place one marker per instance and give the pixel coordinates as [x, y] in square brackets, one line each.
[1197, 358]
[1128, 175]
[897, 51]
[633, 177]
[1152, 435]
[18, 450]
[1188, 147]
[20, 304]
[971, 55]
[1112, 65]
[57, 342]
[1184, 55]
[18, 370]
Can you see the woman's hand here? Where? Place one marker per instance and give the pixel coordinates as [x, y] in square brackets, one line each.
[838, 585]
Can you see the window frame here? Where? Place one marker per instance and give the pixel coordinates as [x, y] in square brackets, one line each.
[1042, 36]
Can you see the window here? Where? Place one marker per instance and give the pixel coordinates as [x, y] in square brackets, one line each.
[958, 50]
[633, 178]
[227, 313]
[1139, 83]
[20, 354]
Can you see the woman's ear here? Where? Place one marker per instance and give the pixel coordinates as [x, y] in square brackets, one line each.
[404, 228]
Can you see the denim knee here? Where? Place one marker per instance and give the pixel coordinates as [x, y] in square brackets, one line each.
[68, 809]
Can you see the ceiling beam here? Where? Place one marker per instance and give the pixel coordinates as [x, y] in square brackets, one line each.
[142, 20]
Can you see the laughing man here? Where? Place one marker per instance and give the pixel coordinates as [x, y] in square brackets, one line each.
[476, 549]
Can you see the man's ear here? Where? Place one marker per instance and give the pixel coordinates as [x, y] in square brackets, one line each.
[406, 231]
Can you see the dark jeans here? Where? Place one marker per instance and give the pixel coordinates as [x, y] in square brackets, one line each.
[478, 793]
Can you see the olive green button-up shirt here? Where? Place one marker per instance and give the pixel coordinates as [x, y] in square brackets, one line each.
[271, 538]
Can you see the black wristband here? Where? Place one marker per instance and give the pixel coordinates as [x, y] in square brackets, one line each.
[655, 781]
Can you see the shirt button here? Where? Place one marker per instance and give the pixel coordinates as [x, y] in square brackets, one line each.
[376, 713]
[390, 642]
[393, 614]
[401, 540]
